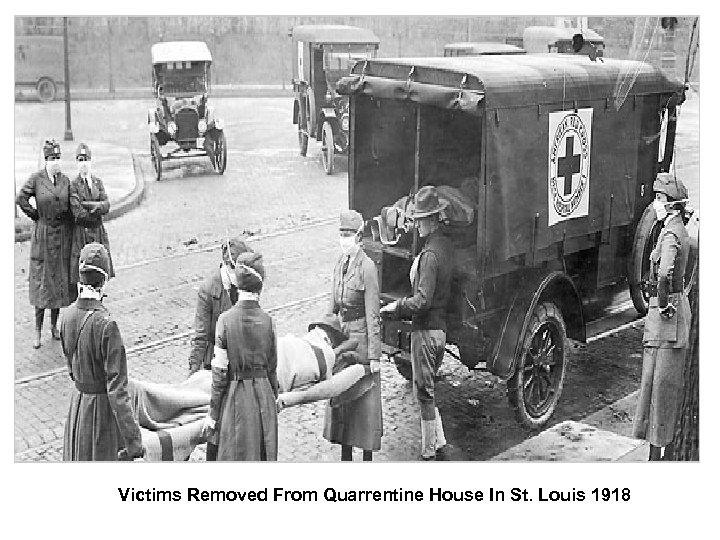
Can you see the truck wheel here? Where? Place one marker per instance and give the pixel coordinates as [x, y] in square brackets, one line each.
[46, 90]
[221, 153]
[156, 156]
[638, 273]
[328, 148]
[535, 387]
[404, 367]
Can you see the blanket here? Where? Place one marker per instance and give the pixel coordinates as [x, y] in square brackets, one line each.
[171, 415]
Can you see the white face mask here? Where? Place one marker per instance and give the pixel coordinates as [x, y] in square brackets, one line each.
[660, 210]
[84, 168]
[52, 166]
[347, 244]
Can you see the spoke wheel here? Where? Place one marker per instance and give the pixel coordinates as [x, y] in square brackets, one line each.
[156, 156]
[221, 153]
[328, 148]
[638, 273]
[535, 387]
[46, 90]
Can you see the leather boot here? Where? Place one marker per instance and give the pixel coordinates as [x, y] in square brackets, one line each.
[54, 313]
[654, 453]
[39, 316]
[428, 440]
[36, 343]
[442, 449]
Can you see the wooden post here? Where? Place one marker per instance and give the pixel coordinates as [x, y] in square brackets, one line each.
[111, 80]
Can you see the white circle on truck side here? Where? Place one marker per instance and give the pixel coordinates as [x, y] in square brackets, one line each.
[569, 164]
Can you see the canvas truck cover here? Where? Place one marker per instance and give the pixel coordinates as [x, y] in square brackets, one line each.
[516, 99]
[180, 51]
[329, 33]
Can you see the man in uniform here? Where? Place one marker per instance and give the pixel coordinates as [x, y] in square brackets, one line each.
[667, 325]
[430, 276]
[217, 294]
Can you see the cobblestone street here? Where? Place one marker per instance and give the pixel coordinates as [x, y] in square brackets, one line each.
[288, 208]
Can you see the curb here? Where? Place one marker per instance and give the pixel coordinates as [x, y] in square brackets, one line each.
[120, 208]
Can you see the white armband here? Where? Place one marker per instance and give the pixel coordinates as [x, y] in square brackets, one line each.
[220, 358]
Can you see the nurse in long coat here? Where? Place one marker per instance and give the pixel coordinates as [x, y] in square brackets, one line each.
[101, 420]
[667, 325]
[88, 203]
[244, 373]
[354, 419]
[50, 286]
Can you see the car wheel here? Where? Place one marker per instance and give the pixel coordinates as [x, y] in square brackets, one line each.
[46, 90]
[404, 367]
[328, 148]
[535, 387]
[638, 274]
[156, 156]
[221, 153]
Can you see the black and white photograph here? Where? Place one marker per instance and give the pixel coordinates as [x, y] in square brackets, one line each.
[370, 238]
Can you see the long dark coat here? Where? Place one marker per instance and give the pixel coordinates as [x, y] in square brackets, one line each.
[212, 300]
[101, 419]
[358, 423]
[51, 240]
[246, 407]
[88, 224]
[665, 340]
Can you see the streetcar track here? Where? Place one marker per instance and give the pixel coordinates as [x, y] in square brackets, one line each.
[155, 344]
[205, 249]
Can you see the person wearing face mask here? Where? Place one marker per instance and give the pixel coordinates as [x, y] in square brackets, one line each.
[430, 276]
[667, 325]
[49, 275]
[88, 203]
[244, 373]
[354, 418]
[216, 294]
[101, 423]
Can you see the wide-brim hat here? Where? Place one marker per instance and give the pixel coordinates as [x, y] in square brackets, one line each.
[94, 257]
[351, 220]
[51, 148]
[83, 150]
[427, 203]
[330, 323]
[671, 186]
[233, 247]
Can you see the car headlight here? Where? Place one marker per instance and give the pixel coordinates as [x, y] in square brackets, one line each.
[345, 122]
[172, 127]
[202, 125]
[218, 123]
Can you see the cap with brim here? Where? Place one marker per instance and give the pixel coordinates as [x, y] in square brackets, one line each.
[94, 257]
[51, 149]
[671, 186]
[351, 220]
[83, 150]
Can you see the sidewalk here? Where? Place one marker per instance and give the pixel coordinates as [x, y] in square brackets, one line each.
[605, 435]
[112, 163]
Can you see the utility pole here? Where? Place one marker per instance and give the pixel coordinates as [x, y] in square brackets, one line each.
[111, 80]
[68, 127]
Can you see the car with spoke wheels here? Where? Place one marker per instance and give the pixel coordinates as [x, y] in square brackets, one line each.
[183, 124]
[546, 165]
[322, 54]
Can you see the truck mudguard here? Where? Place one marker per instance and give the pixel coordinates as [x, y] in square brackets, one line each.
[537, 285]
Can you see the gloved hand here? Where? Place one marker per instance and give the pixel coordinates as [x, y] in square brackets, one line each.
[389, 310]
[123, 455]
[374, 366]
[208, 427]
[279, 403]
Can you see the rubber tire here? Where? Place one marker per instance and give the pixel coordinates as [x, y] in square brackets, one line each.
[221, 153]
[46, 90]
[646, 235]
[404, 367]
[156, 156]
[545, 313]
[328, 148]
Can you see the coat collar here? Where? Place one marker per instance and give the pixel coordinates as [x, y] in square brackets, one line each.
[88, 304]
[54, 186]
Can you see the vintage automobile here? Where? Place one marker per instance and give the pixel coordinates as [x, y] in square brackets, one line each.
[469, 48]
[554, 39]
[558, 160]
[183, 124]
[322, 54]
[39, 65]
